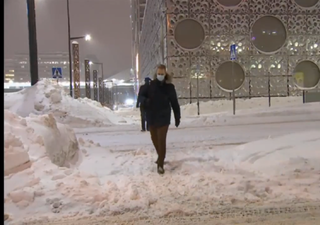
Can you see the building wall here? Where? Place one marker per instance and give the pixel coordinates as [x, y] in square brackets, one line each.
[135, 29]
[152, 47]
[224, 26]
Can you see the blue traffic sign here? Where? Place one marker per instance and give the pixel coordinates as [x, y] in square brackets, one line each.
[233, 52]
[56, 72]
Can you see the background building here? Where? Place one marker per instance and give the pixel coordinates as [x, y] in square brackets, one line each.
[137, 15]
[46, 61]
[18, 68]
[277, 45]
[9, 65]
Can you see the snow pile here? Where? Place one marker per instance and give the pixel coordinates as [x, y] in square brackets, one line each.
[47, 97]
[277, 156]
[58, 139]
[36, 137]
[15, 154]
[34, 148]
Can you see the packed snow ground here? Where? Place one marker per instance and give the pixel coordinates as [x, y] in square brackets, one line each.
[257, 157]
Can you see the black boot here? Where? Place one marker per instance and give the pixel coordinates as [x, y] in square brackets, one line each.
[160, 170]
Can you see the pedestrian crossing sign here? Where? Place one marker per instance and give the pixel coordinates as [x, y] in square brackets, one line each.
[233, 52]
[56, 72]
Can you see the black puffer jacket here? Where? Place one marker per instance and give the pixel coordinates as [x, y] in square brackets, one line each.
[159, 98]
[142, 89]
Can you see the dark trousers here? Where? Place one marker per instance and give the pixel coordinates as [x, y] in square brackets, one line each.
[159, 139]
[144, 121]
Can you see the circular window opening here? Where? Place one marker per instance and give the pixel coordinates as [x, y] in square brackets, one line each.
[306, 3]
[229, 3]
[268, 34]
[306, 75]
[189, 34]
[229, 77]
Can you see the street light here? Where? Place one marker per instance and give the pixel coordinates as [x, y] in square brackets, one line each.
[69, 46]
[86, 37]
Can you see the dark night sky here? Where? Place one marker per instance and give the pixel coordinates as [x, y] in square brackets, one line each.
[107, 21]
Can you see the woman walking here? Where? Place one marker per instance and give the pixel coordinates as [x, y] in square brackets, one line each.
[159, 98]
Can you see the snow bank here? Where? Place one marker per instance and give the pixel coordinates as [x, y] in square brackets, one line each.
[16, 157]
[277, 156]
[59, 140]
[47, 97]
[36, 137]
[35, 147]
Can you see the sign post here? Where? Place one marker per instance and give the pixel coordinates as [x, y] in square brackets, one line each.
[198, 103]
[95, 85]
[56, 73]
[101, 90]
[233, 57]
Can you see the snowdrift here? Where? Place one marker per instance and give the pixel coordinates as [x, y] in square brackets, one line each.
[29, 139]
[16, 156]
[47, 97]
[277, 156]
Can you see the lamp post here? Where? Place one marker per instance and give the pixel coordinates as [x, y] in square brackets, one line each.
[33, 47]
[69, 46]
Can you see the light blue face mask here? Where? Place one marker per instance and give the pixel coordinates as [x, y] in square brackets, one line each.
[160, 77]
